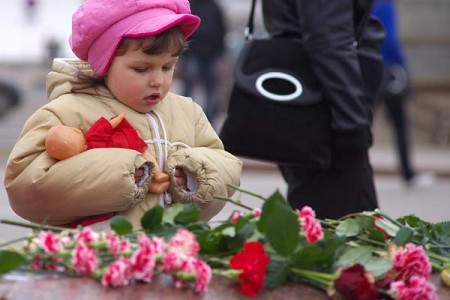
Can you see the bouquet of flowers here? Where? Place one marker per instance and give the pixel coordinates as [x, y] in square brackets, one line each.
[362, 256]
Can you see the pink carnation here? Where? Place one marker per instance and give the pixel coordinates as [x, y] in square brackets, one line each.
[199, 269]
[159, 245]
[184, 242]
[409, 262]
[172, 261]
[84, 259]
[143, 260]
[36, 263]
[86, 235]
[235, 217]
[49, 242]
[256, 212]
[203, 276]
[187, 266]
[119, 273]
[416, 287]
[116, 245]
[309, 225]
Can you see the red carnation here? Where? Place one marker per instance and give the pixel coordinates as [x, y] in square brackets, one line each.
[252, 261]
[355, 283]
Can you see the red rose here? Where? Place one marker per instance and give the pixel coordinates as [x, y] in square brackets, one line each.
[252, 260]
[354, 283]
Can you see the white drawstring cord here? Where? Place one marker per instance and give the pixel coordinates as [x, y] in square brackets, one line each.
[161, 159]
[167, 196]
[171, 145]
[164, 135]
[163, 197]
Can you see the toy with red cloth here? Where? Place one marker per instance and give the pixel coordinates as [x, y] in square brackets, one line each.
[63, 142]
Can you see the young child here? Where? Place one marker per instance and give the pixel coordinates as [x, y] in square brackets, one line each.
[128, 52]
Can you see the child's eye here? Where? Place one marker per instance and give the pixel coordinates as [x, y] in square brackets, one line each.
[168, 68]
[140, 70]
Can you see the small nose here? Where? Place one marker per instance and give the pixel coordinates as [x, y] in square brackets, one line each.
[156, 79]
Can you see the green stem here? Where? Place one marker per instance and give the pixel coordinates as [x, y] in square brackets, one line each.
[247, 192]
[437, 257]
[436, 267]
[34, 226]
[324, 279]
[372, 241]
[234, 202]
[13, 242]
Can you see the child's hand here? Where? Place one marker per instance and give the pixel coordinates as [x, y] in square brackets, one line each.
[180, 178]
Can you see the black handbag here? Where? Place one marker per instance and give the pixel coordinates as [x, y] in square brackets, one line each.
[276, 110]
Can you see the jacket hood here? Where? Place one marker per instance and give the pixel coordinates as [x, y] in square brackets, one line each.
[64, 72]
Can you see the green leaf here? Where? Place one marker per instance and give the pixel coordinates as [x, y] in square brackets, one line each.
[378, 266]
[171, 212]
[348, 228]
[242, 235]
[10, 260]
[275, 200]
[210, 242]
[229, 231]
[320, 255]
[387, 226]
[403, 236]
[444, 227]
[283, 229]
[198, 227]
[188, 215]
[355, 255]
[276, 274]
[121, 225]
[365, 222]
[376, 235]
[165, 231]
[411, 220]
[152, 217]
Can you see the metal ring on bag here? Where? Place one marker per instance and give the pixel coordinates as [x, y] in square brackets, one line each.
[289, 97]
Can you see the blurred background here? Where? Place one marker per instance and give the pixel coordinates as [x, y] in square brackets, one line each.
[33, 32]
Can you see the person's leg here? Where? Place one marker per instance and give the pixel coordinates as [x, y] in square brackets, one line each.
[209, 80]
[399, 121]
[334, 192]
[189, 73]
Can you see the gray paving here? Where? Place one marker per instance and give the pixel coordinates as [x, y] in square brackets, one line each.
[430, 204]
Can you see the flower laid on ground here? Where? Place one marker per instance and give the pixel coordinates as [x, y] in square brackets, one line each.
[362, 256]
[252, 262]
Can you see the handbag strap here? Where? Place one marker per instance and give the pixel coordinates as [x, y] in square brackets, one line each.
[358, 34]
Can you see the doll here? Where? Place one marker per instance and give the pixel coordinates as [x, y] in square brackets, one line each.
[63, 142]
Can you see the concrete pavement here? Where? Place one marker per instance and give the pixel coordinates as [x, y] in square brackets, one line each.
[430, 204]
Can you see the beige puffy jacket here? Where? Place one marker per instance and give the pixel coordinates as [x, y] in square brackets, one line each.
[98, 181]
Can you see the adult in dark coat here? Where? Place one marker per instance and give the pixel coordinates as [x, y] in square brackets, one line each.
[328, 30]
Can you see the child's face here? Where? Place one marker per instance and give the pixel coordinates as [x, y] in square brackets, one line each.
[139, 80]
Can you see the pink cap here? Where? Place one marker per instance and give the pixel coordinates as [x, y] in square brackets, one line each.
[98, 26]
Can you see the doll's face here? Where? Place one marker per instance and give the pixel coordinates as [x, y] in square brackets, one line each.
[140, 80]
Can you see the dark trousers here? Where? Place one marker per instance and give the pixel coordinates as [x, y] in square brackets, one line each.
[344, 188]
[201, 70]
[397, 116]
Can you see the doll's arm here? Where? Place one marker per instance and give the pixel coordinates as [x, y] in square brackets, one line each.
[160, 180]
